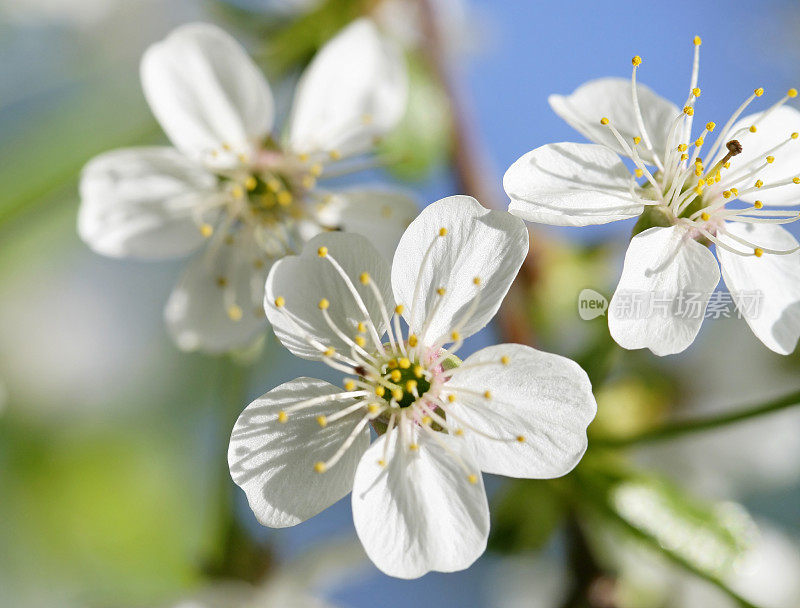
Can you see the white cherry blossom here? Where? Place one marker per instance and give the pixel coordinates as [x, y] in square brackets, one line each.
[231, 189]
[734, 194]
[417, 491]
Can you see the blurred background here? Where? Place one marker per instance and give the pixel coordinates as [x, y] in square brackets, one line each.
[112, 441]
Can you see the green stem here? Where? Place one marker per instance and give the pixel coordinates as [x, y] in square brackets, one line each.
[587, 497]
[686, 427]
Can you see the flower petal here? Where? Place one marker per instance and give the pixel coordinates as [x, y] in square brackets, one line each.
[138, 202]
[303, 281]
[571, 185]
[482, 244]
[217, 304]
[771, 281]
[773, 130]
[354, 90]
[663, 292]
[419, 512]
[378, 213]
[611, 98]
[273, 462]
[539, 407]
[207, 93]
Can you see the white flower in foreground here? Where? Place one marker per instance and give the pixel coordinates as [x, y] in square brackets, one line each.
[418, 497]
[686, 202]
[229, 188]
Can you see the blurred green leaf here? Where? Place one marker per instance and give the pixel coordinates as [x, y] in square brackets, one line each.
[524, 516]
[422, 139]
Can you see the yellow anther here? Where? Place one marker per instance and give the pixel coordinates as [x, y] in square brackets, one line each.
[380, 391]
[476, 281]
[251, 183]
[320, 467]
[237, 191]
[759, 183]
[455, 336]
[636, 60]
[451, 398]
[235, 313]
[398, 310]
[710, 126]
[791, 92]
[309, 181]
[753, 129]
[395, 375]
[322, 421]
[735, 191]
[796, 180]
[521, 438]
[361, 327]
[505, 360]
[758, 204]
[274, 184]
[284, 198]
[226, 146]
[727, 165]
[322, 251]
[412, 340]
[280, 302]
[459, 432]
[411, 385]
[698, 190]
[682, 147]
[373, 408]
[282, 417]
[404, 363]
[418, 371]
[684, 156]
[413, 447]
[473, 479]
[324, 304]
[700, 182]
[704, 216]
[688, 110]
[315, 169]
[335, 154]
[759, 92]
[697, 41]
[349, 385]
[770, 159]
[698, 142]
[303, 157]
[696, 92]
[381, 463]
[795, 135]
[426, 420]
[637, 140]
[360, 340]
[758, 252]
[604, 121]
[441, 291]
[487, 394]
[392, 363]
[442, 231]
[726, 194]
[329, 352]
[364, 278]
[638, 173]
[206, 230]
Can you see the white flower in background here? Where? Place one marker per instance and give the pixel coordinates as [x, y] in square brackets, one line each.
[735, 196]
[418, 497]
[228, 188]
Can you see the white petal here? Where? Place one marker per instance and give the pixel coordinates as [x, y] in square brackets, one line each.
[611, 98]
[774, 129]
[223, 276]
[571, 185]
[489, 245]
[663, 292]
[206, 92]
[378, 213]
[274, 462]
[773, 281]
[544, 399]
[138, 202]
[354, 90]
[419, 512]
[302, 281]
